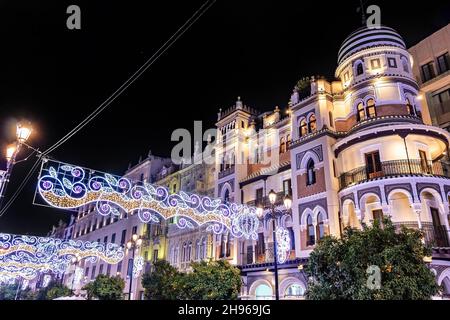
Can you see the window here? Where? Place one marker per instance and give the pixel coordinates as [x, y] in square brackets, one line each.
[134, 230]
[392, 63]
[155, 255]
[424, 162]
[226, 196]
[86, 272]
[288, 142]
[310, 236]
[361, 112]
[263, 292]
[294, 291]
[443, 63]
[203, 252]
[105, 239]
[371, 111]
[119, 268]
[405, 65]
[130, 268]
[373, 165]
[375, 63]
[282, 145]
[113, 238]
[184, 252]
[93, 272]
[198, 246]
[189, 252]
[291, 237]
[122, 238]
[311, 174]
[260, 244]
[303, 128]
[359, 69]
[410, 108]
[108, 270]
[320, 226]
[428, 72]
[259, 196]
[141, 177]
[331, 118]
[312, 124]
[378, 216]
[100, 270]
[287, 187]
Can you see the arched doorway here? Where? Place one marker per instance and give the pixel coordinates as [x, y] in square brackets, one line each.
[349, 216]
[434, 223]
[263, 292]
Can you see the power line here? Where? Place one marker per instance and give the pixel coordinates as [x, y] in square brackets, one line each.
[185, 27]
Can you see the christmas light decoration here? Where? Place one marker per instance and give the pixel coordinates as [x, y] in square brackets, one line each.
[138, 266]
[70, 187]
[26, 256]
[46, 280]
[283, 244]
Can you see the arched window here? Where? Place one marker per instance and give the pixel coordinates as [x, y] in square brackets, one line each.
[311, 174]
[294, 291]
[371, 109]
[320, 226]
[410, 107]
[204, 249]
[310, 236]
[361, 115]
[263, 292]
[282, 145]
[189, 252]
[405, 65]
[198, 248]
[226, 196]
[359, 68]
[184, 253]
[288, 141]
[303, 128]
[312, 124]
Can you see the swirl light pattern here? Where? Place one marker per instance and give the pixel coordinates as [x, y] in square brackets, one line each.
[70, 187]
[283, 244]
[138, 266]
[26, 256]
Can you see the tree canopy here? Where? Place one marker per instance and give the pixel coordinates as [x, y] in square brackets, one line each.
[349, 268]
[105, 288]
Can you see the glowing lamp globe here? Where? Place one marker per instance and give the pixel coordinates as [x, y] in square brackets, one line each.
[10, 150]
[23, 132]
[272, 197]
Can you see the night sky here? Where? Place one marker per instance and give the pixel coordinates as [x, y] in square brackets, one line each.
[54, 77]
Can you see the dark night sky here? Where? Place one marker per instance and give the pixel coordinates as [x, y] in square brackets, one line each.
[54, 77]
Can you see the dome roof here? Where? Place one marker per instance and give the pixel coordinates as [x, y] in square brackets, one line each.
[364, 38]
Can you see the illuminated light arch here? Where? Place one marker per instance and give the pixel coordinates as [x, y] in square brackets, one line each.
[70, 187]
[27, 256]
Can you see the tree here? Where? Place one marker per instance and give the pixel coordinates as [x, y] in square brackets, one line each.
[214, 280]
[162, 283]
[53, 290]
[105, 288]
[8, 292]
[345, 268]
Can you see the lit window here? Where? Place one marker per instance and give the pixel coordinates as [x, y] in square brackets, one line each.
[376, 64]
[361, 112]
[371, 110]
[294, 291]
[320, 226]
[312, 124]
[311, 236]
[303, 128]
[311, 174]
[263, 292]
[359, 69]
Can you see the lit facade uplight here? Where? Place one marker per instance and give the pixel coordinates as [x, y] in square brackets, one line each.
[10, 150]
[272, 197]
[23, 132]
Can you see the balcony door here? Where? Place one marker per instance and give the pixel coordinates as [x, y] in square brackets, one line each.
[440, 233]
[373, 165]
[424, 162]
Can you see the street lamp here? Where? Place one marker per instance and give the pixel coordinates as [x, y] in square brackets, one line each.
[133, 244]
[287, 201]
[23, 133]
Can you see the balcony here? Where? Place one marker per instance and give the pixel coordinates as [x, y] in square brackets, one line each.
[227, 172]
[265, 203]
[392, 169]
[434, 236]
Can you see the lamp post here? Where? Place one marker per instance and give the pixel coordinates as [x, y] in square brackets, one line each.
[23, 132]
[75, 260]
[133, 244]
[287, 201]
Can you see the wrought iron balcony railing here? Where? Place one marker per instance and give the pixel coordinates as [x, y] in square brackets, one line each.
[393, 168]
[434, 236]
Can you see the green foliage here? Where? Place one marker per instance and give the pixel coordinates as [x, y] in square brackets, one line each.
[163, 283]
[215, 280]
[105, 288]
[8, 292]
[54, 290]
[338, 267]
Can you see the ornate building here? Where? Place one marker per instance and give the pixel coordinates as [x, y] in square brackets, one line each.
[348, 152]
